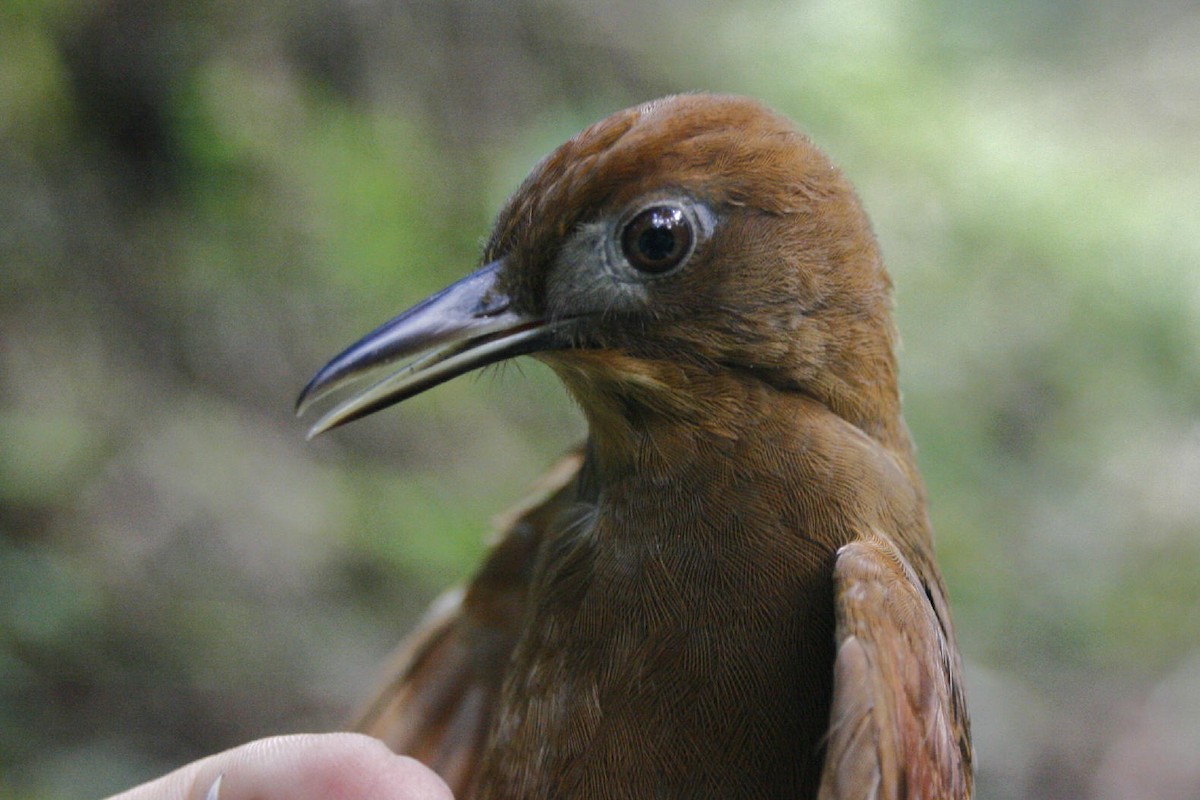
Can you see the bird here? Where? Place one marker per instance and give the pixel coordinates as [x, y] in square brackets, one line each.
[729, 589]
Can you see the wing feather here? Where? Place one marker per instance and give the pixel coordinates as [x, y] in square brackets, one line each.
[898, 722]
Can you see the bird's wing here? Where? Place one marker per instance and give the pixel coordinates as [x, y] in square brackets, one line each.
[439, 702]
[898, 723]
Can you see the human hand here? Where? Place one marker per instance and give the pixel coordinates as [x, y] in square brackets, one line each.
[329, 766]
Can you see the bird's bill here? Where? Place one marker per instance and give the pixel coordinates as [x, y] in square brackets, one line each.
[467, 325]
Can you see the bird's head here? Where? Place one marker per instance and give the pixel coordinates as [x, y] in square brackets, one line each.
[690, 237]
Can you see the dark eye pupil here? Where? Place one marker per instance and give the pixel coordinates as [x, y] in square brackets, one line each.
[658, 239]
[656, 244]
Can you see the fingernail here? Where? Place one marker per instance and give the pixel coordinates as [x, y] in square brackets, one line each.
[214, 791]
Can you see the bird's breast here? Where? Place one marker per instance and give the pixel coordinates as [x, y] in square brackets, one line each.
[680, 645]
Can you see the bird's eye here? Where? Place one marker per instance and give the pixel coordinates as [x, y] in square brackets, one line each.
[657, 239]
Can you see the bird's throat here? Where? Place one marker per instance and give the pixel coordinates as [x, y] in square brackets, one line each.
[636, 407]
[640, 412]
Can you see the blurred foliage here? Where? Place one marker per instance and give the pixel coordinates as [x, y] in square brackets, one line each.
[200, 202]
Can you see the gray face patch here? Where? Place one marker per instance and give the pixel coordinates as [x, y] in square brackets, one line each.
[591, 275]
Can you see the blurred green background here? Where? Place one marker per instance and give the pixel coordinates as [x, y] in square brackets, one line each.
[202, 201]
